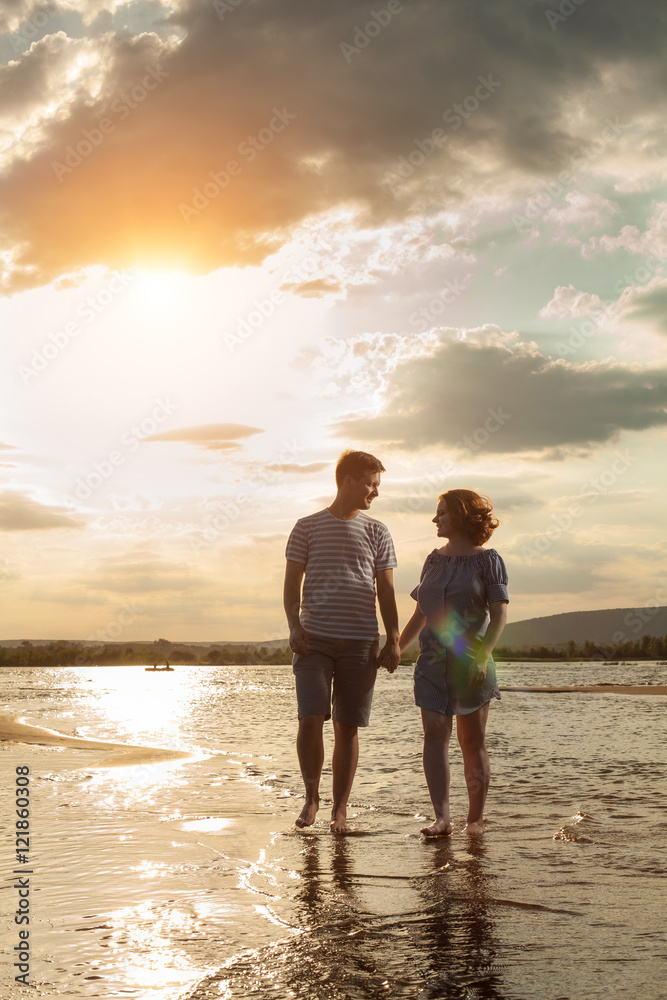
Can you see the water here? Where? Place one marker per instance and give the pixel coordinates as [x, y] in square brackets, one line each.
[187, 879]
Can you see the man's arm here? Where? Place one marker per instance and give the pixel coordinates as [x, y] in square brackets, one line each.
[298, 638]
[390, 654]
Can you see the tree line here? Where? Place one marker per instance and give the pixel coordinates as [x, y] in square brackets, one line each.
[76, 654]
[649, 647]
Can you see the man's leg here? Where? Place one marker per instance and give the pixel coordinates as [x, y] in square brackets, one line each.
[310, 751]
[353, 683]
[343, 766]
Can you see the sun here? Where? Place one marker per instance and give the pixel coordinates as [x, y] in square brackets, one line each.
[162, 294]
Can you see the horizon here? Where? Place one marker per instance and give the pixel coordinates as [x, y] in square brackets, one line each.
[651, 610]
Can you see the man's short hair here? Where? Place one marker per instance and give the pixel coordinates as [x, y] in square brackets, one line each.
[355, 463]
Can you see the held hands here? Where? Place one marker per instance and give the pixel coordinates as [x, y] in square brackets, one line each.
[477, 674]
[298, 639]
[389, 656]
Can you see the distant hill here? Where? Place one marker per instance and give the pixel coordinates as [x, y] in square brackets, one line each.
[607, 627]
[612, 626]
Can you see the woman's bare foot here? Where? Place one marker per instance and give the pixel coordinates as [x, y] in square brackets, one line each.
[307, 815]
[474, 828]
[440, 828]
[339, 820]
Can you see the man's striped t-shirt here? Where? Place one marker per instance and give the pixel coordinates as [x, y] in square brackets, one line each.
[341, 560]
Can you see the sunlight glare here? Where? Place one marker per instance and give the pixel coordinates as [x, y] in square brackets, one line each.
[159, 295]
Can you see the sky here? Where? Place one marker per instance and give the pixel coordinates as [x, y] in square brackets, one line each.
[238, 237]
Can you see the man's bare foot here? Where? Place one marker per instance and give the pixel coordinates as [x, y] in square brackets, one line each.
[307, 815]
[475, 828]
[440, 828]
[339, 821]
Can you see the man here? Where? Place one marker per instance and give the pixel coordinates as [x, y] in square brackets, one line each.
[344, 554]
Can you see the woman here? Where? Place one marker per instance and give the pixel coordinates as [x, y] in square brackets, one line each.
[462, 586]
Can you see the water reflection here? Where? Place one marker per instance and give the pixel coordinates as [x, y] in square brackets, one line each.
[139, 705]
[372, 923]
[459, 931]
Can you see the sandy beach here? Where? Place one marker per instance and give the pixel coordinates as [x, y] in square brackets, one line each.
[15, 730]
[592, 689]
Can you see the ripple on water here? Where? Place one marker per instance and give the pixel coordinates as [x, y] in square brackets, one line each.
[575, 830]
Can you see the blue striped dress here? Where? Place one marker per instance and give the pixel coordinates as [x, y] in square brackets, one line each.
[454, 594]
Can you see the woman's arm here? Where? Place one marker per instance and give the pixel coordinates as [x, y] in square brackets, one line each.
[411, 630]
[498, 619]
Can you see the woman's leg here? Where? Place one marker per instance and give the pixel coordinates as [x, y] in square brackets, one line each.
[437, 730]
[470, 730]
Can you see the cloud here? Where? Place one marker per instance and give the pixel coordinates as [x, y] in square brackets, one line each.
[478, 396]
[214, 437]
[19, 512]
[648, 306]
[293, 467]
[313, 289]
[652, 242]
[255, 120]
[143, 572]
[584, 210]
[567, 303]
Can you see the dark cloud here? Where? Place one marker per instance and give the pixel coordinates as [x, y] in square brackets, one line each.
[213, 437]
[328, 128]
[480, 398]
[651, 307]
[19, 512]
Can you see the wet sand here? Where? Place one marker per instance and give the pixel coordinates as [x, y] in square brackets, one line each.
[14, 730]
[596, 689]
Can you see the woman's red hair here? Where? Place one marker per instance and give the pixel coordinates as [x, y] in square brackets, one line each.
[471, 513]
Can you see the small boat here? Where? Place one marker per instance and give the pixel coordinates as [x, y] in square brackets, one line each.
[159, 669]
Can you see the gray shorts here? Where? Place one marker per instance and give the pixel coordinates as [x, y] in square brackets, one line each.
[348, 664]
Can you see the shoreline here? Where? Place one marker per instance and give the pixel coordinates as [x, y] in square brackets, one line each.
[14, 730]
[660, 689]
